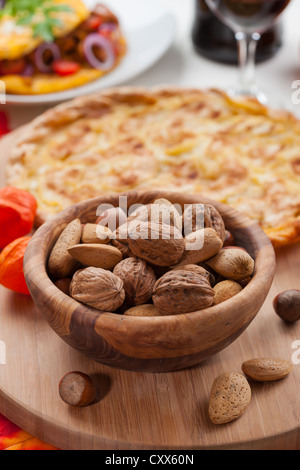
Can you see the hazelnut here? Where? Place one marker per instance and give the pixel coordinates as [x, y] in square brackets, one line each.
[225, 290]
[77, 389]
[147, 310]
[233, 264]
[138, 279]
[182, 291]
[159, 244]
[287, 305]
[98, 288]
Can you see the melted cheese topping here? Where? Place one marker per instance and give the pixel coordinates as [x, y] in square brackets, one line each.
[199, 142]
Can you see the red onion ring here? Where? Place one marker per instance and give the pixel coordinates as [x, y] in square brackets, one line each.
[93, 40]
[28, 71]
[39, 56]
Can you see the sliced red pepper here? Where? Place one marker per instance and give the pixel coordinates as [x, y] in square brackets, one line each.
[93, 23]
[12, 67]
[65, 67]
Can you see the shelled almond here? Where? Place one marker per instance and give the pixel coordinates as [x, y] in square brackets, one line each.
[156, 261]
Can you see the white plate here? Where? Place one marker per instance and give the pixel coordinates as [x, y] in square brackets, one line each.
[150, 30]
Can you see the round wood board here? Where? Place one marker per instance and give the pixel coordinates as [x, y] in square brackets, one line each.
[148, 411]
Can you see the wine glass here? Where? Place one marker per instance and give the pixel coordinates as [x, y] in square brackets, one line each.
[249, 19]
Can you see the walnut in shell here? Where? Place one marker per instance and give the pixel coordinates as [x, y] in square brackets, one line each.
[195, 268]
[182, 291]
[98, 288]
[138, 279]
[200, 216]
[159, 244]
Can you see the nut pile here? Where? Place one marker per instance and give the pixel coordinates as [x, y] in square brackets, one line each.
[158, 261]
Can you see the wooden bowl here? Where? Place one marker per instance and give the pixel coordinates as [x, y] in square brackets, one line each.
[154, 344]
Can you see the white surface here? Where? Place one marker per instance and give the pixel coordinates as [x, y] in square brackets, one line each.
[149, 32]
[182, 66]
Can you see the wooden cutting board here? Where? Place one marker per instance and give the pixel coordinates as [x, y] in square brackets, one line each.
[148, 411]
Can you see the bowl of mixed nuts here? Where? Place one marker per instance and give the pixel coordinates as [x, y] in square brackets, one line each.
[149, 281]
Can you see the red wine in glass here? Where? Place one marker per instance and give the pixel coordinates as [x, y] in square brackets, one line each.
[249, 19]
[250, 15]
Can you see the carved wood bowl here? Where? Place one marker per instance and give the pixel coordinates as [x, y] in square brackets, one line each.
[156, 344]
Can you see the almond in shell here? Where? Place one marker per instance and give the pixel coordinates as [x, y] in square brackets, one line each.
[201, 246]
[234, 264]
[61, 264]
[97, 256]
[229, 398]
[94, 234]
[267, 370]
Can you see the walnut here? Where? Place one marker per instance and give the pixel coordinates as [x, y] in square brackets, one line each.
[98, 288]
[182, 291]
[138, 279]
[195, 268]
[199, 216]
[159, 244]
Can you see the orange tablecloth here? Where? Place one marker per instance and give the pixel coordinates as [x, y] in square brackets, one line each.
[13, 438]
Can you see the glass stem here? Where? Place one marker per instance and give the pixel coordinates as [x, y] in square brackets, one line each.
[247, 45]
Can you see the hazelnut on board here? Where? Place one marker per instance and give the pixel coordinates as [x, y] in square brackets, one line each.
[138, 279]
[182, 291]
[98, 288]
[77, 389]
[159, 244]
[287, 305]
